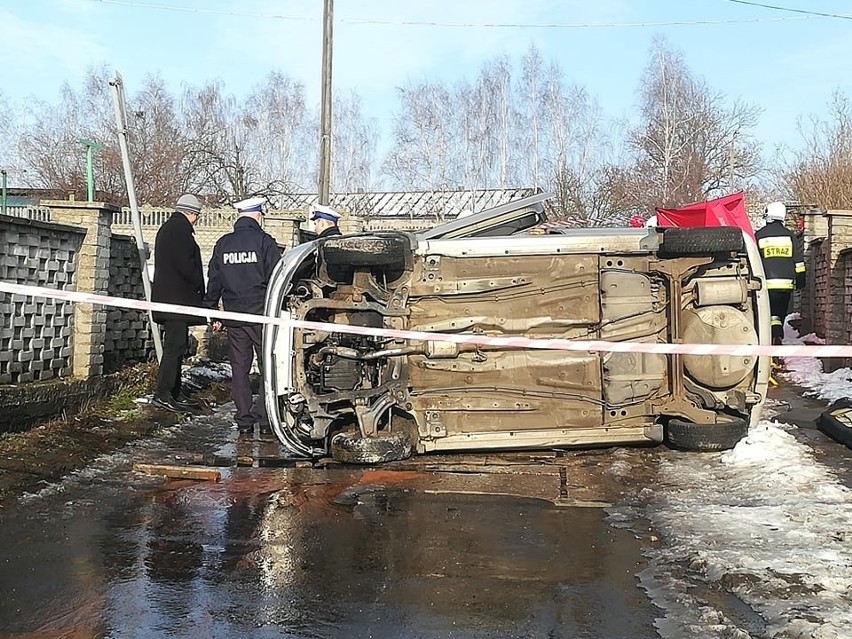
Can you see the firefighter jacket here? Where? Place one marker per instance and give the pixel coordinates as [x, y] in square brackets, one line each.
[782, 257]
[240, 269]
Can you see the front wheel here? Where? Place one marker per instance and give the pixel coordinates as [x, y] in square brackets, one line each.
[352, 448]
[705, 437]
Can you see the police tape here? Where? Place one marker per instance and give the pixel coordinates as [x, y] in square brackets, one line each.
[562, 344]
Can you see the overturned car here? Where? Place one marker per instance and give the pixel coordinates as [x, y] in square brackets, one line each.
[368, 398]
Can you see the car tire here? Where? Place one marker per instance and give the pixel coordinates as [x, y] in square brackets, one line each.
[352, 448]
[685, 435]
[701, 241]
[364, 251]
[835, 422]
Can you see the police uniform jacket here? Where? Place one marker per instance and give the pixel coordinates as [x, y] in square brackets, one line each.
[178, 274]
[240, 269]
[782, 257]
[331, 231]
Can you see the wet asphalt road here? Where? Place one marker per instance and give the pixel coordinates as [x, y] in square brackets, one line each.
[434, 548]
[466, 546]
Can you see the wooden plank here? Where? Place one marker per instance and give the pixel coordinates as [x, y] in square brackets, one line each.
[179, 472]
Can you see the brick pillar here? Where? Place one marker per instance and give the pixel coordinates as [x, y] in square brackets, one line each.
[284, 226]
[92, 277]
[350, 223]
[815, 230]
[839, 238]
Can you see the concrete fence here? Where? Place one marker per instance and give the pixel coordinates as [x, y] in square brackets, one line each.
[826, 302]
[89, 246]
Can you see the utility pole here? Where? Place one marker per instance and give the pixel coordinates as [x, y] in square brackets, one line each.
[325, 116]
[731, 161]
[120, 108]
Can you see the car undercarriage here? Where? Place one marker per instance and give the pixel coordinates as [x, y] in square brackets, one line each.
[369, 398]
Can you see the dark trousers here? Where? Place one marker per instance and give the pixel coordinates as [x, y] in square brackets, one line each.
[779, 303]
[175, 342]
[244, 343]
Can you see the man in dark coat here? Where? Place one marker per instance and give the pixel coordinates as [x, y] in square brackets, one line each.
[325, 220]
[178, 279]
[238, 275]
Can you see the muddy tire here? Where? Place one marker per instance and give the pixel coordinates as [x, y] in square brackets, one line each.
[705, 437]
[364, 251]
[351, 448]
[701, 241]
[836, 423]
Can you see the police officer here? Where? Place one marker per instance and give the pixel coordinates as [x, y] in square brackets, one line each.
[325, 220]
[238, 274]
[782, 262]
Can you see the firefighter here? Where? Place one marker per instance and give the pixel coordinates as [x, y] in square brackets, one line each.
[782, 262]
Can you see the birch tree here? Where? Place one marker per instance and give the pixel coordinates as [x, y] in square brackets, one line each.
[530, 135]
[422, 139]
[353, 145]
[279, 136]
[691, 144]
[8, 133]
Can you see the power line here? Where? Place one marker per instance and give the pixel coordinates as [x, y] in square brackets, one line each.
[492, 25]
[816, 14]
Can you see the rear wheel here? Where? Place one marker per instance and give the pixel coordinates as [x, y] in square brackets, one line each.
[705, 437]
[701, 241]
[352, 448]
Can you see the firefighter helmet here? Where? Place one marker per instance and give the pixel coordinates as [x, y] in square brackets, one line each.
[775, 211]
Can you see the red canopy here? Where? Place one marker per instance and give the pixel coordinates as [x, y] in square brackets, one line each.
[726, 211]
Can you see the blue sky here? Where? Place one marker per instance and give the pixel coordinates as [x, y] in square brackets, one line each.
[785, 62]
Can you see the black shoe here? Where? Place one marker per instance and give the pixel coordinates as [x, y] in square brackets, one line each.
[171, 405]
[187, 401]
[244, 428]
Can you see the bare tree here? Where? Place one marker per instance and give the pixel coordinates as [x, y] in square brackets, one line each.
[474, 143]
[495, 94]
[691, 145]
[50, 143]
[280, 136]
[215, 158]
[530, 122]
[421, 154]
[158, 144]
[353, 145]
[821, 171]
[8, 133]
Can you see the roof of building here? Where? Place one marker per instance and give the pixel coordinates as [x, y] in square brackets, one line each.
[410, 204]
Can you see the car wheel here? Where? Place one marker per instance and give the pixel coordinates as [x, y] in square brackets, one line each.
[351, 448]
[701, 241]
[705, 437]
[364, 251]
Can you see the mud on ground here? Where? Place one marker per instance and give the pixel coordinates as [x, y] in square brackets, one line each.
[49, 451]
